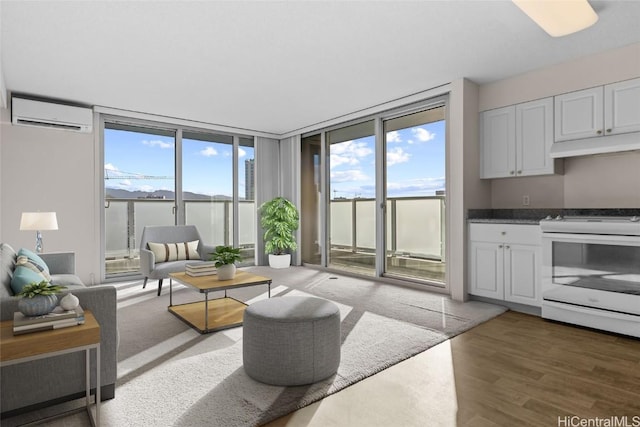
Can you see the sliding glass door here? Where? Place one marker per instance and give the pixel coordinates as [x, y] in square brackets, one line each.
[351, 190]
[375, 193]
[415, 195]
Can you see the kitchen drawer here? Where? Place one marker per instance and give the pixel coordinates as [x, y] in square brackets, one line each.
[505, 233]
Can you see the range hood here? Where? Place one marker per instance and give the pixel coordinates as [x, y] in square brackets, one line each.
[596, 145]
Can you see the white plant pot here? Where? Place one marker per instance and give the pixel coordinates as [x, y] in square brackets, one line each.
[226, 272]
[279, 261]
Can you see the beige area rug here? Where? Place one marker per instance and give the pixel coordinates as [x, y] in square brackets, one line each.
[170, 375]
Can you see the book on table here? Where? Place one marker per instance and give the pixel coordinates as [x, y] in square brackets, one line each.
[200, 269]
[58, 318]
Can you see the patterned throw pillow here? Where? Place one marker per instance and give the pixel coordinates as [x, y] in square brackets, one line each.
[29, 268]
[175, 251]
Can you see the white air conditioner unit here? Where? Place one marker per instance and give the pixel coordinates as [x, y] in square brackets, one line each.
[28, 112]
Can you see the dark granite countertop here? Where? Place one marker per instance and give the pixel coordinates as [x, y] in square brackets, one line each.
[533, 216]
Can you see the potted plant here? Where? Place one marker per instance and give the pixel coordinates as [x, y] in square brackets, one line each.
[280, 220]
[38, 298]
[224, 258]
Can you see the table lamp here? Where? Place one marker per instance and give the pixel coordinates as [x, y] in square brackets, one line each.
[38, 221]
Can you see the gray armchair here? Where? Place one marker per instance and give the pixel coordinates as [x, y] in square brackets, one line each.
[152, 268]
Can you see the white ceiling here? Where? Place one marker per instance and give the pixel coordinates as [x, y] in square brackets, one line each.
[278, 66]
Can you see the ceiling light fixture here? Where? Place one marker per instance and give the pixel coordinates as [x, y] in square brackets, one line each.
[559, 17]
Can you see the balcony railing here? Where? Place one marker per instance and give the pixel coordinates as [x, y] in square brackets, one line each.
[125, 219]
[415, 226]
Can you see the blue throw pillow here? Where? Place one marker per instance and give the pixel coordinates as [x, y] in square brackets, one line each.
[29, 268]
[35, 259]
[22, 276]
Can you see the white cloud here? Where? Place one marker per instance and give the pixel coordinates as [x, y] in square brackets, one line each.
[348, 176]
[349, 153]
[393, 136]
[241, 152]
[209, 152]
[336, 160]
[110, 167]
[157, 143]
[415, 187]
[397, 155]
[422, 134]
[125, 183]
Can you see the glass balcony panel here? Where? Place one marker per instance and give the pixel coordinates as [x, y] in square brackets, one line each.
[341, 224]
[418, 228]
[365, 225]
[210, 217]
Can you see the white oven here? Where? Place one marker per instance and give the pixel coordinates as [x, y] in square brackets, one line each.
[591, 272]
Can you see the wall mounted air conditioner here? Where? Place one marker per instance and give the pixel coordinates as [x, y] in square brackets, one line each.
[29, 112]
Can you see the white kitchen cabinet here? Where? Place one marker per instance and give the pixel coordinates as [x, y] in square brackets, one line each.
[515, 140]
[498, 142]
[597, 112]
[505, 262]
[622, 107]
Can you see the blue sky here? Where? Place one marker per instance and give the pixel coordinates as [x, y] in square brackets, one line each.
[415, 163]
[207, 166]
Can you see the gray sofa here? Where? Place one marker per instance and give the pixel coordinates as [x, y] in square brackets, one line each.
[31, 385]
[151, 268]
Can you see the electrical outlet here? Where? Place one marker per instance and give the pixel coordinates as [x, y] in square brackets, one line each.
[525, 200]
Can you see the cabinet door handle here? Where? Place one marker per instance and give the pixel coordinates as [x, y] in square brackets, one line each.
[503, 232]
[511, 172]
[507, 247]
[599, 132]
[519, 172]
[500, 246]
[608, 130]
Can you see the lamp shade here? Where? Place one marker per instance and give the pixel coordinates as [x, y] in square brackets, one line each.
[559, 17]
[39, 221]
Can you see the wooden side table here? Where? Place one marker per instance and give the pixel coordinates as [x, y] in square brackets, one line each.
[39, 345]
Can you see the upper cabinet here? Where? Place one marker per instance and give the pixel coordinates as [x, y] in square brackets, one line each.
[600, 111]
[515, 140]
[622, 107]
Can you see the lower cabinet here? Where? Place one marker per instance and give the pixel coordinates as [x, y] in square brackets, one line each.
[505, 262]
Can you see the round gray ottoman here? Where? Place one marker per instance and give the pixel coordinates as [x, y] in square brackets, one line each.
[291, 340]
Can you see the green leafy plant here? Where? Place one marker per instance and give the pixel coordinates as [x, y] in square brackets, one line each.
[225, 255]
[280, 220]
[40, 288]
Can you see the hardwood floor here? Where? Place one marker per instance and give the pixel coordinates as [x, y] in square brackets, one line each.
[514, 370]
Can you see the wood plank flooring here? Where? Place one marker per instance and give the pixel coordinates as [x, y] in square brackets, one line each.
[514, 370]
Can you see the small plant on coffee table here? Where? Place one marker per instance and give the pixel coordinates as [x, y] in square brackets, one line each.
[225, 255]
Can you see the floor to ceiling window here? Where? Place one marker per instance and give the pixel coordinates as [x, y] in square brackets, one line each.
[172, 176]
[311, 200]
[139, 183]
[207, 185]
[247, 200]
[351, 190]
[415, 195]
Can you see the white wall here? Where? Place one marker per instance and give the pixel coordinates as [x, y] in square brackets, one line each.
[602, 181]
[465, 189]
[50, 170]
